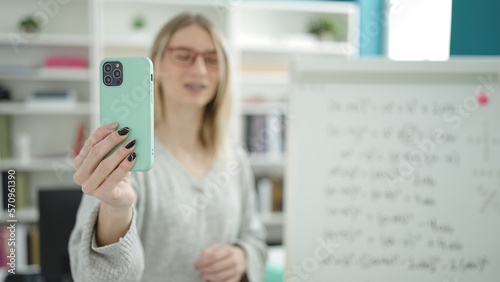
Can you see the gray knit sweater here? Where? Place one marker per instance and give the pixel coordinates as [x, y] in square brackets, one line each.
[175, 217]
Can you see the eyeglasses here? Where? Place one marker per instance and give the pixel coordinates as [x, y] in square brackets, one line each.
[185, 57]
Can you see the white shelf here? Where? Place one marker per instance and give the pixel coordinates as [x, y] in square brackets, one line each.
[268, 86]
[311, 48]
[201, 3]
[138, 41]
[38, 164]
[302, 6]
[28, 215]
[266, 164]
[50, 74]
[263, 108]
[264, 159]
[272, 219]
[22, 108]
[277, 28]
[265, 77]
[72, 40]
[336, 66]
[273, 223]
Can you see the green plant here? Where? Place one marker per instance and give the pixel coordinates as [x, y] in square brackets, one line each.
[29, 24]
[323, 25]
[139, 22]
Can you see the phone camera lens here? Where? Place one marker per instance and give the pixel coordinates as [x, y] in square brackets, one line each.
[107, 67]
[117, 73]
[107, 80]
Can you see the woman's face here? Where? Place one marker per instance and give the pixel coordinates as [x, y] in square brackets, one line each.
[185, 83]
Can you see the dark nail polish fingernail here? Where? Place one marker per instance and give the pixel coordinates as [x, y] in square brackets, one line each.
[123, 131]
[131, 157]
[130, 144]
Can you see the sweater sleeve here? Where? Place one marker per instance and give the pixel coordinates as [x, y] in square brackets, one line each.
[252, 233]
[120, 261]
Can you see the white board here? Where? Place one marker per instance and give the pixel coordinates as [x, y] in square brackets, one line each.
[393, 172]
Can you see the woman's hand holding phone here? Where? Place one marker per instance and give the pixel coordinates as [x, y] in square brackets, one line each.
[108, 179]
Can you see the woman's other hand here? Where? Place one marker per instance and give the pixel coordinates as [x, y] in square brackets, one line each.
[222, 263]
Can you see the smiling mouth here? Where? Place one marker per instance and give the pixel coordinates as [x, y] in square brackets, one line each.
[195, 86]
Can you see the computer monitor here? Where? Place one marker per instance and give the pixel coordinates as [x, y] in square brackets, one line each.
[57, 210]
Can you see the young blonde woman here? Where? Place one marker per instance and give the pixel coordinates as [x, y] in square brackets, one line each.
[192, 217]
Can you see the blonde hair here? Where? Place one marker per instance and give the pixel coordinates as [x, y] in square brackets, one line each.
[217, 112]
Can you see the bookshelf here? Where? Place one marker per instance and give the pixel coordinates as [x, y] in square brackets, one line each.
[262, 52]
[66, 31]
[269, 36]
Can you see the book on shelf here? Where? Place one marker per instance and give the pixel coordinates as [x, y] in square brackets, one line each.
[22, 231]
[4, 94]
[5, 141]
[22, 201]
[34, 245]
[265, 195]
[27, 245]
[21, 194]
[58, 61]
[277, 194]
[4, 246]
[52, 98]
[255, 133]
[265, 134]
[5, 191]
[274, 125]
[270, 194]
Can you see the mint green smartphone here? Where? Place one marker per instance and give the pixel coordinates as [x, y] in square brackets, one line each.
[126, 96]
